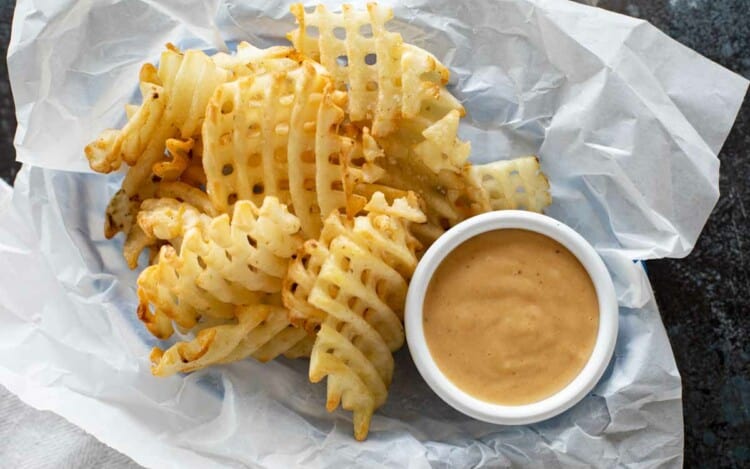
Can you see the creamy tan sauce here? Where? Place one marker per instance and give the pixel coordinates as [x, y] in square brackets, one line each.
[511, 316]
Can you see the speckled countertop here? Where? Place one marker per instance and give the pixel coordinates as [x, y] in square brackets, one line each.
[704, 298]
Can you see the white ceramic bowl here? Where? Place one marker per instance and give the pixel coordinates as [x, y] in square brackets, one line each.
[576, 389]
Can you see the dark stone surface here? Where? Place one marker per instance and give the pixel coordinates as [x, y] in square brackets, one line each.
[704, 298]
[8, 165]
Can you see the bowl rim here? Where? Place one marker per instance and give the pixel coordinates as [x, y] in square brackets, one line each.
[566, 397]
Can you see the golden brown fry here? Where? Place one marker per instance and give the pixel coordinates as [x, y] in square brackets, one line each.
[387, 81]
[399, 90]
[277, 134]
[513, 184]
[259, 329]
[107, 153]
[441, 150]
[169, 219]
[353, 381]
[351, 286]
[250, 60]
[221, 263]
[299, 281]
[291, 341]
[186, 193]
[444, 192]
[301, 349]
[355, 281]
[122, 212]
[174, 102]
[179, 152]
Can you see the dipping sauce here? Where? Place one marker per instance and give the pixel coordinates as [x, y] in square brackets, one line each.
[511, 316]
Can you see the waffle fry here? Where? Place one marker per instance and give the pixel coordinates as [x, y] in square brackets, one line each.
[353, 381]
[123, 210]
[425, 98]
[301, 349]
[169, 219]
[174, 101]
[179, 152]
[258, 330]
[385, 239]
[290, 341]
[276, 134]
[210, 345]
[441, 150]
[386, 79]
[112, 147]
[250, 60]
[121, 216]
[221, 263]
[351, 286]
[298, 283]
[513, 184]
[355, 281]
[434, 168]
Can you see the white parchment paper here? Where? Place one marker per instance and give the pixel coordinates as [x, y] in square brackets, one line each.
[627, 124]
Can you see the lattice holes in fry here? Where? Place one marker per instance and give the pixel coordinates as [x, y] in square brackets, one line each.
[277, 134]
[351, 284]
[258, 330]
[517, 184]
[222, 264]
[387, 81]
[171, 115]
